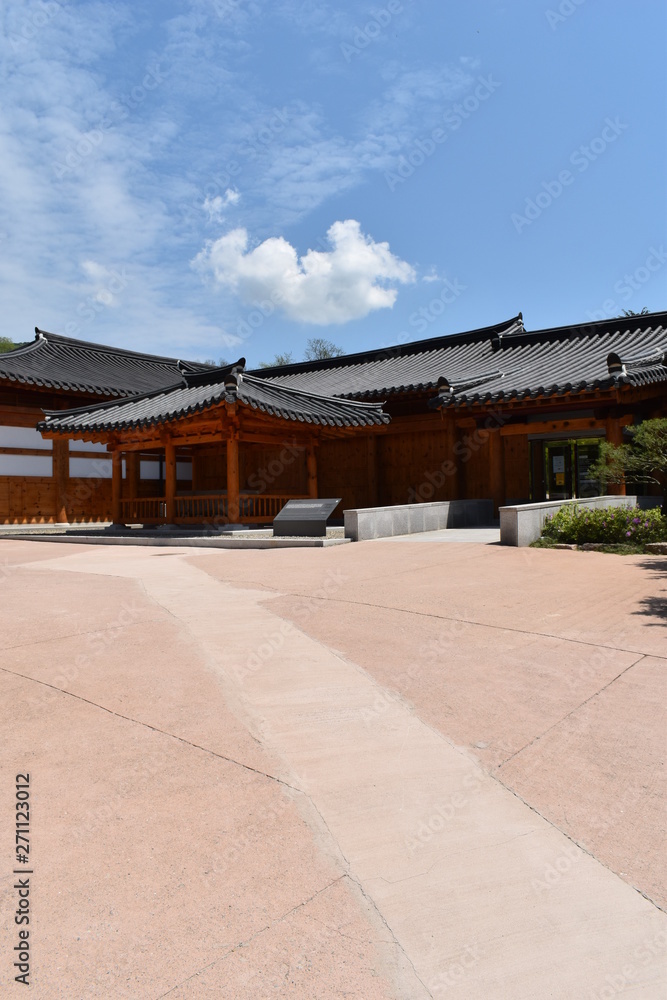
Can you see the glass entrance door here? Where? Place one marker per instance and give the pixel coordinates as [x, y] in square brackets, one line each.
[558, 470]
[566, 468]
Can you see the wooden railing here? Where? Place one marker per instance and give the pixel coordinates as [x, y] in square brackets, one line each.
[206, 508]
[212, 509]
[143, 510]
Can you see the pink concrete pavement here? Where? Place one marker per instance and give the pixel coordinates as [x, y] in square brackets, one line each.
[210, 773]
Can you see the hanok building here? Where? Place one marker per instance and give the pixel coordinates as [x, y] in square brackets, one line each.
[498, 413]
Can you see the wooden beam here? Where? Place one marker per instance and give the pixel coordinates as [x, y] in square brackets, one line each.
[566, 427]
[116, 486]
[311, 463]
[233, 476]
[61, 478]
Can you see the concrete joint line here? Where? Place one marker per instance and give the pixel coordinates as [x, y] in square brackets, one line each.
[253, 937]
[536, 739]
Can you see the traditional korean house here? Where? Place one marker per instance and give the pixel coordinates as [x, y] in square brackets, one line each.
[250, 445]
[43, 480]
[498, 412]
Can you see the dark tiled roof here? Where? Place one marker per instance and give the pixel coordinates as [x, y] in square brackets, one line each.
[79, 366]
[495, 363]
[403, 368]
[200, 391]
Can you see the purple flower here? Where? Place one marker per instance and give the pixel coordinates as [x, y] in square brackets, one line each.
[635, 520]
[628, 533]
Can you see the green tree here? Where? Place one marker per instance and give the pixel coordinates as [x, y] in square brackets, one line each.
[642, 460]
[280, 359]
[630, 312]
[318, 348]
[7, 345]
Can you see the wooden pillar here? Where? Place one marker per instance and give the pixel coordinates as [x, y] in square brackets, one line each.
[311, 464]
[233, 477]
[132, 468]
[496, 469]
[372, 468]
[614, 435]
[460, 451]
[116, 486]
[61, 478]
[452, 463]
[170, 480]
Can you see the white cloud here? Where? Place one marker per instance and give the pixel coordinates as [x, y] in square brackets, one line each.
[349, 281]
[215, 207]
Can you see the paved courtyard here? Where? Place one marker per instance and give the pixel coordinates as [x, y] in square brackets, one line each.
[373, 771]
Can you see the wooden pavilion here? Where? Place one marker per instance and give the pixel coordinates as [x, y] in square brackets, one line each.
[222, 423]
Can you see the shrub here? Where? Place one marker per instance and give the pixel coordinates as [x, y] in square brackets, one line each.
[610, 525]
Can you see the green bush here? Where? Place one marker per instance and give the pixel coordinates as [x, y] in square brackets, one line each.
[575, 525]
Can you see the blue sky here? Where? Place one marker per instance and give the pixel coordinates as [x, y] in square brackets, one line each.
[213, 178]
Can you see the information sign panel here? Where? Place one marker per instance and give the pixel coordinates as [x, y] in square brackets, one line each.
[304, 517]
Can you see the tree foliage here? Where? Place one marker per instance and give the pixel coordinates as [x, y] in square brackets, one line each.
[7, 345]
[317, 348]
[642, 460]
[280, 359]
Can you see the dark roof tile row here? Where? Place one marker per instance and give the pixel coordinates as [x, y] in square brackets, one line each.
[197, 392]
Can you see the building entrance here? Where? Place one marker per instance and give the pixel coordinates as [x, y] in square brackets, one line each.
[561, 469]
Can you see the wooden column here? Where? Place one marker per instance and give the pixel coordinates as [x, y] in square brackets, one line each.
[233, 477]
[372, 462]
[452, 463]
[116, 486]
[61, 478]
[496, 470]
[311, 463]
[614, 435]
[459, 458]
[132, 473]
[170, 480]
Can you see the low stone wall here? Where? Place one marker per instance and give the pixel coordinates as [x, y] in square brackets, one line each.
[383, 522]
[522, 525]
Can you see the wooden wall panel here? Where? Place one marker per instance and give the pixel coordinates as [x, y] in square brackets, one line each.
[342, 471]
[517, 468]
[418, 466]
[29, 500]
[88, 500]
[476, 460]
[272, 469]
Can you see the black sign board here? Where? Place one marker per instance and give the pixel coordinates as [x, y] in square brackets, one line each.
[304, 517]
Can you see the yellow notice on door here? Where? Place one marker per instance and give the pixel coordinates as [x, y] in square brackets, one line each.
[560, 479]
